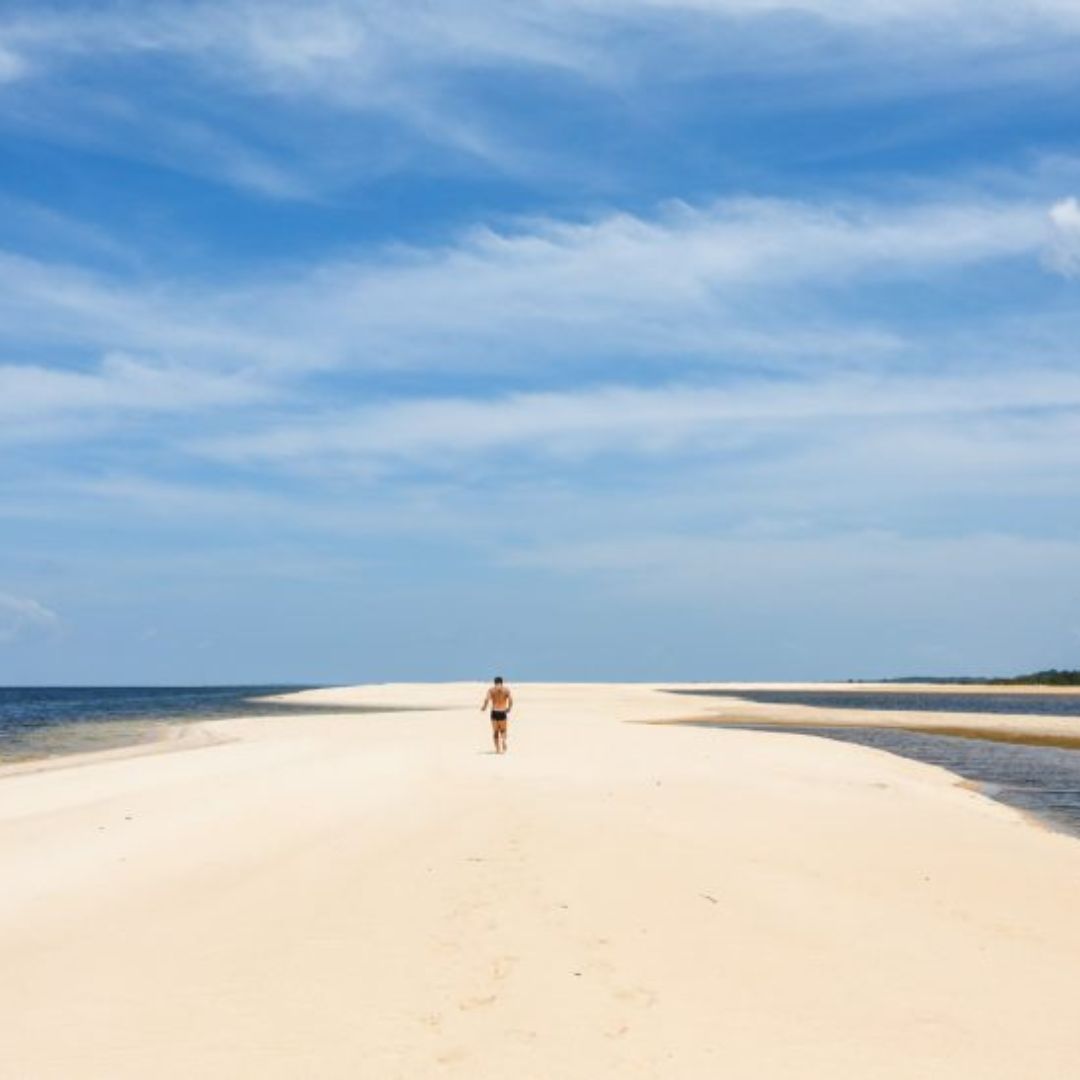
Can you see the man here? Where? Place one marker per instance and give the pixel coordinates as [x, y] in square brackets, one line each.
[501, 701]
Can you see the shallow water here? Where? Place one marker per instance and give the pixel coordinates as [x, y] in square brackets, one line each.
[38, 722]
[1033, 704]
[1042, 780]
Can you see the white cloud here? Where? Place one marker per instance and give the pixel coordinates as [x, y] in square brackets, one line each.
[39, 403]
[46, 304]
[404, 61]
[357, 50]
[1063, 254]
[975, 14]
[157, 498]
[744, 279]
[120, 382]
[688, 281]
[20, 615]
[377, 58]
[654, 277]
[342, 50]
[12, 66]
[738, 284]
[622, 420]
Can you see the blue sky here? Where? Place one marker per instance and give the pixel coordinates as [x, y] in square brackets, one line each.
[656, 339]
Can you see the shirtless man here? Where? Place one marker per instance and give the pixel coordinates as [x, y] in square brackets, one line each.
[501, 701]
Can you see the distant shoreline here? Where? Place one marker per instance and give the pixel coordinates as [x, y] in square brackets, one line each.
[880, 686]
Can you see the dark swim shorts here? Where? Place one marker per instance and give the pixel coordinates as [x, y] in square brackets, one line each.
[496, 714]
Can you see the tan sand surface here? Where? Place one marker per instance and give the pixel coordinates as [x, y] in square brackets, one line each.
[378, 896]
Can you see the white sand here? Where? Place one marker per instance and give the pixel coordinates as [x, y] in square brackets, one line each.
[376, 897]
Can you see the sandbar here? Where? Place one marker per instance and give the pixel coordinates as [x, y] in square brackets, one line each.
[378, 895]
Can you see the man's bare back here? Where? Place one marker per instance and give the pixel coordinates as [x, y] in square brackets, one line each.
[501, 701]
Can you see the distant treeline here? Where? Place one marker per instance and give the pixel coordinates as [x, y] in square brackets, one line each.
[945, 680]
[1053, 677]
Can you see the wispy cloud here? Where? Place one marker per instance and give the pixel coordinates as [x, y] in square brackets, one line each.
[414, 65]
[121, 383]
[393, 61]
[352, 50]
[20, 615]
[62, 306]
[47, 404]
[388, 293]
[975, 14]
[1064, 251]
[12, 66]
[636, 421]
[737, 280]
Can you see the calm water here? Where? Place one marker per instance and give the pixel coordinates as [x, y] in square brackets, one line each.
[1043, 780]
[910, 701]
[38, 722]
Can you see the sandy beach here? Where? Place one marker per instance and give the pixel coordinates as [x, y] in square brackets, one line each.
[379, 895]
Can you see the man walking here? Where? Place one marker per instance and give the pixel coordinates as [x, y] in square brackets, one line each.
[501, 701]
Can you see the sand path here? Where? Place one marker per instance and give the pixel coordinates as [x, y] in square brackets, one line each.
[378, 896]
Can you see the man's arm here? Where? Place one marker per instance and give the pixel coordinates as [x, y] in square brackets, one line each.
[509, 700]
[487, 698]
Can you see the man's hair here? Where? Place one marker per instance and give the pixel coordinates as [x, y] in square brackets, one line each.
[498, 680]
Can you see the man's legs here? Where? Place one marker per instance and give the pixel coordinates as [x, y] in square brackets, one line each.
[502, 734]
[495, 736]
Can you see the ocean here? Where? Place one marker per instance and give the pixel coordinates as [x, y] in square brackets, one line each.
[1045, 781]
[37, 722]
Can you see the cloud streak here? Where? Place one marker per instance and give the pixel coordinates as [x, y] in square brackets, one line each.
[703, 282]
[414, 66]
[120, 383]
[350, 51]
[21, 615]
[1064, 251]
[659, 421]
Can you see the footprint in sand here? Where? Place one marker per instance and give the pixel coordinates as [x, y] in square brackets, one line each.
[502, 966]
[477, 1002]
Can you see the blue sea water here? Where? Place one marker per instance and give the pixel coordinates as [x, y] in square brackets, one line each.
[1029, 704]
[1043, 780]
[42, 721]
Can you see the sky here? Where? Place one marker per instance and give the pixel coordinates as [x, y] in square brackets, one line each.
[565, 339]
